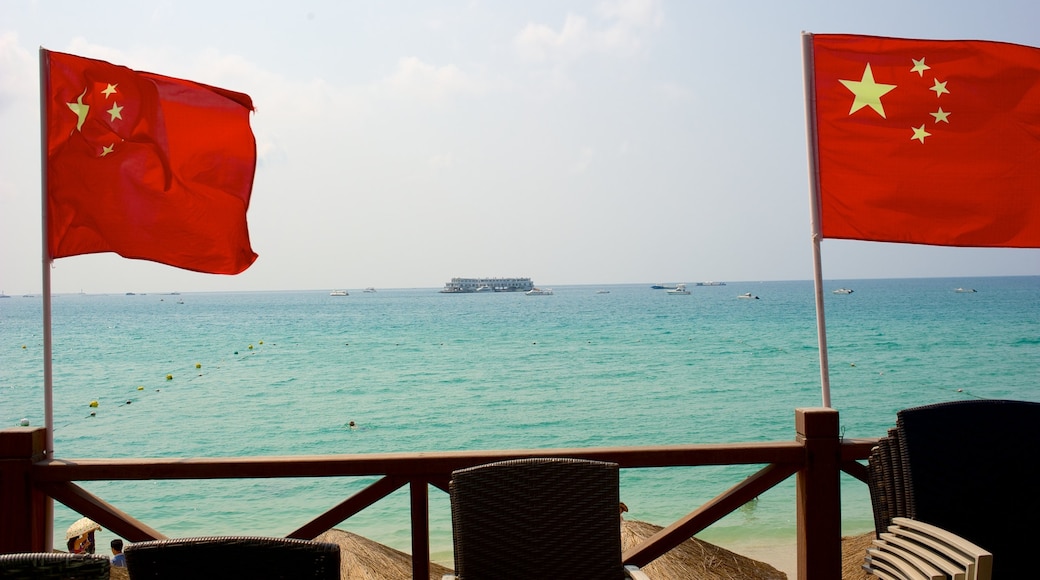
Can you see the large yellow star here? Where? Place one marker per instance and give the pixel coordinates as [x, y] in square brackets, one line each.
[868, 93]
[109, 90]
[941, 116]
[80, 109]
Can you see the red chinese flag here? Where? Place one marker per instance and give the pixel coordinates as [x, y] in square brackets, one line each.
[928, 142]
[146, 166]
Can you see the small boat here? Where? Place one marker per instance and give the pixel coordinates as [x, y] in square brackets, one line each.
[339, 293]
[965, 290]
[679, 289]
[843, 291]
[711, 283]
[663, 287]
[539, 292]
[369, 289]
[602, 291]
[748, 296]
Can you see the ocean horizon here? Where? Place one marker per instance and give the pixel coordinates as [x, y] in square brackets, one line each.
[222, 374]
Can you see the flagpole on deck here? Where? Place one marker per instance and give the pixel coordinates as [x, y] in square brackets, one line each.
[814, 209]
[48, 370]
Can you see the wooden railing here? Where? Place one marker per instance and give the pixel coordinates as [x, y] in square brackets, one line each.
[29, 480]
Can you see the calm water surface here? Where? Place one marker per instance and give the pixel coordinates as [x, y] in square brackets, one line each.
[282, 373]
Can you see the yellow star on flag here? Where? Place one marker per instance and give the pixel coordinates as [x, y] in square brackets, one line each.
[106, 150]
[868, 93]
[941, 116]
[116, 112]
[109, 90]
[919, 66]
[939, 88]
[920, 133]
[80, 110]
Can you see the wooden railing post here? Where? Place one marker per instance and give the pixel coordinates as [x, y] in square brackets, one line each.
[26, 513]
[419, 492]
[818, 495]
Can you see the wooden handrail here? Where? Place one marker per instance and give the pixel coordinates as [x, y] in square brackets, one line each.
[403, 464]
[816, 455]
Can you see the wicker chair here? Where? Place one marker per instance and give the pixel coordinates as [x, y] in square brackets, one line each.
[54, 566]
[538, 518]
[967, 468]
[220, 557]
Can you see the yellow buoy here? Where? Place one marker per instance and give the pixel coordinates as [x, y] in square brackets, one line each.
[261, 342]
[250, 347]
[94, 403]
[140, 388]
[198, 365]
[169, 377]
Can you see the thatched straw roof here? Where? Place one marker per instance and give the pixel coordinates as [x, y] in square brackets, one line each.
[695, 559]
[853, 551]
[363, 559]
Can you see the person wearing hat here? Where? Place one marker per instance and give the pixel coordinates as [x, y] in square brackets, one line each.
[82, 544]
[80, 536]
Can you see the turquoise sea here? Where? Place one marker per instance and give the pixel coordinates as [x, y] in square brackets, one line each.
[282, 373]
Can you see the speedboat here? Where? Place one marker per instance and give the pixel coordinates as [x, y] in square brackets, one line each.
[370, 289]
[965, 290]
[843, 291]
[338, 293]
[679, 289]
[539, 292]
[748, 296]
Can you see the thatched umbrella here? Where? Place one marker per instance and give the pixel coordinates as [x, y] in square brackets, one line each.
[695, 559]
[853, 552]
[363, 559]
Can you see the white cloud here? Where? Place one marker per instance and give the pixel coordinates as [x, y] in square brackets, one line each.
[619, 31]
[585, 158]
[415, 79]
[441, 161]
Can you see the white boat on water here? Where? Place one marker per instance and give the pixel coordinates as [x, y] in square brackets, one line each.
[843, 291]
[748, 296]
[369, 289]
[965, 290]
[539, 292]
[339, 293]
[679, 289]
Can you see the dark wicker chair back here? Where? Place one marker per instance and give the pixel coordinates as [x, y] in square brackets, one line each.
[54, 566]
[537, 518]
[969, 467]
[220, 557]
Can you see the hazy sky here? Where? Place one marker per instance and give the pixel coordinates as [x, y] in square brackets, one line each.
[403, 143]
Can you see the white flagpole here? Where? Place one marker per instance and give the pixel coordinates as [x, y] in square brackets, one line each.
[814, 205]
[48, 370]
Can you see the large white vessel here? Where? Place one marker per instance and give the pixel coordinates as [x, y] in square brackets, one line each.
[467, 285]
